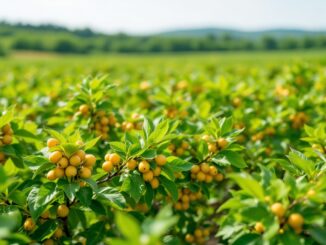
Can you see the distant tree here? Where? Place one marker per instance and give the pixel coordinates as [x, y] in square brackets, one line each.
[65, 46]
[268, 43]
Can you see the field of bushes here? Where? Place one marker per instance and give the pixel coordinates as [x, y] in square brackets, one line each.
[184, 149]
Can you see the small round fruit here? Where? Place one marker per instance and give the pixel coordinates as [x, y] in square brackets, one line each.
[185, 145]
[90, 160]
[206, 232]
[157, 171]
[48, 242]
[51, 175]
[55, 156]
[75, 160]
[2, 156]
[204, 167]
[107, 166]
[114, 158]
[148, 176]
[198, 233]
[278, 209]
[52, 142]
[81, 154]
[190, 238]
[222, 143]
[85, 173]
[45, 214]
[259, 227]
[5, 129]
[185, 198]
[71, 171]
[295, 220]
[143, 167]
[201, 176]
[212, 170]
[131, 164]
[104, 121]
[219, 177]
[154, 183]
[160, 160]
[58, 233]
[180, 151]
[185, 205]
[195, 169]
[63, 162]
[212, 147]
[59, 172]
[62, 211]
[83, 109]
[208, 178]
[7, 139]
[206, 137]
[311, 193]
[29, 224]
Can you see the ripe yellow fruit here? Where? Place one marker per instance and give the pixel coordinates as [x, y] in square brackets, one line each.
[90, 160]
[107, 166]
[208, 178]
[204, 167]
[143, 166]
[81, 154]
[62, 211]
[212, 170]
[311, 193]
[222, 143]
[206, 137]
[178, 206]
[180, 151]
[259, 227]
[71, 171]
[185, 145]
[59, 172]
[29, 224]
[198, 233]
[75, 160]
[201, 176]
[185, 198]
[219, 177]
[295, 220]
[85, 173]
[7, 139]
[212, 147]
[5, 129]
[45, 214]
[55, 156]
[190, 238]
[114, 158]
[52, 142]
[48, 242]
[206, 232]
[63, 162]
[58, 233]
[51, 175]
[278, 209]
[160, 160]
[131, 164]
[2, 156]
[84, 109]
[157, 171]
[195, 169]
[148, 176]
[154, 183]
[185, 205]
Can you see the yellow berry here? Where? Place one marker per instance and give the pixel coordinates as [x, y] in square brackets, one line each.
[190, 238]
[212, 170]
[131, 164]
[295, 220]
[157, 171]
[222, 142]
[29, 224]
[71, 171]
[55, 156]
[85, 173]
[7, 139]
[278, 209]
[198, 233]
[195, 169]
[204, 167]
[52, 142]
[259, 227]
[155, 183]
[143, 166]
[114, 158]
[83, 109]
[63, 162]
[62, 211]
[148, 176]
[201, 176]
[51, 175]
[75, 160]
[90, 160]
[107, 166]
[59, 172]
[58, 233]
[160, 160]
[81, 154]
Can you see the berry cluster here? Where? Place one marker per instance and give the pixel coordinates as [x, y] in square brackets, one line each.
[199, 236]
[185, 197]
[205, 173]
[102, 123]
[5, 139]
[78, 164]
[215, 145]
[179, 149]
[298, 120]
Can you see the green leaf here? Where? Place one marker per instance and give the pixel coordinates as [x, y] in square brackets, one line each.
[134, 186]
[84, 195]
[178, 164]
[131, 231]
[91, 143]
[118, 146]
[70, 189]
[234, 158]
[56, 135]
[69, 149]
[248, 184]
[170, 186]
[112, 195]
[299, 160]
[7, 116]
[159, 132]
[226, 125]
[318, 234]
[45, 230]
[40, 197]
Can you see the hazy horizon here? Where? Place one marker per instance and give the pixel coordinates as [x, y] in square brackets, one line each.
[146, 17]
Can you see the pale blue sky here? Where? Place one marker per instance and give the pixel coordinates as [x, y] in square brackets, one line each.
[144, 16]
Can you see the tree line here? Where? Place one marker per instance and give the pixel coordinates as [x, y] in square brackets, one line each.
[59, 39]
